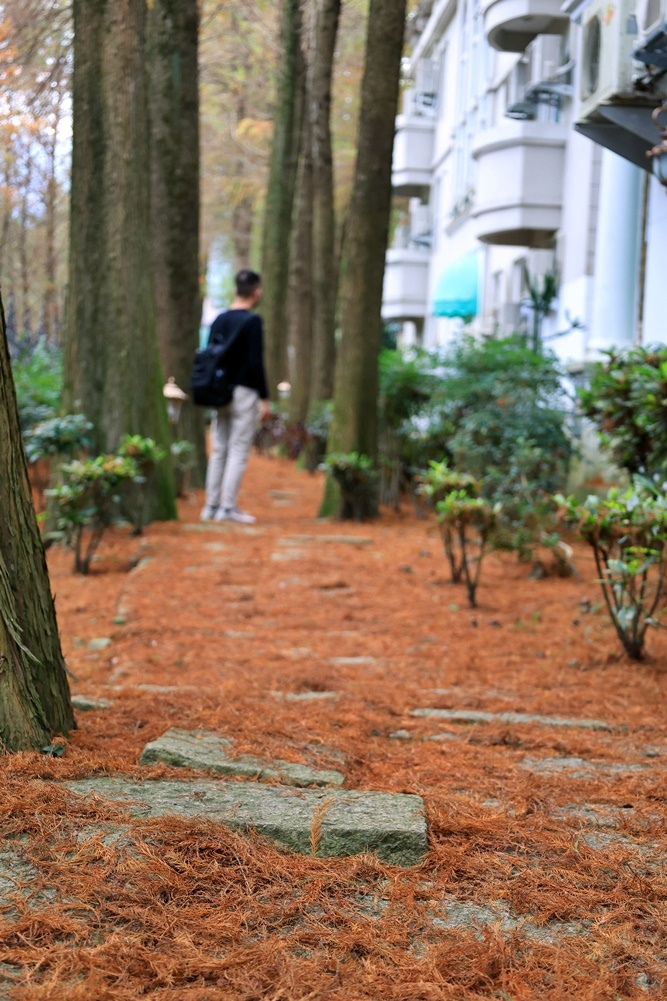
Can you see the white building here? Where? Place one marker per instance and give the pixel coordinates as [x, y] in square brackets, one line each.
[491, 177]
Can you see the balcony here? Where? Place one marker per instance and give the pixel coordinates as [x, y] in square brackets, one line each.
[413, 155]
[519, 191]
[405, 293]
[511, 25]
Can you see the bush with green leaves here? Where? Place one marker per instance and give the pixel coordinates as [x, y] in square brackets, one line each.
[58, 437]
[38, 379]
[437, 483]
[627, 532]
[469, 522]
[356, 476]
[406, 385]
[626, 399]
[503, 412]
[146, 454]
[88, 501]
[145, 451]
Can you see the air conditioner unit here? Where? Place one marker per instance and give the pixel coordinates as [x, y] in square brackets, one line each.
[652, 32]
[651, 14]
[607, 68]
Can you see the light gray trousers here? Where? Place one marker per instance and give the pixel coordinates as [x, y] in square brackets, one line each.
[232, 430]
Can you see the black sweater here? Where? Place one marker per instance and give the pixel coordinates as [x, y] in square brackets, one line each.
[245, 363]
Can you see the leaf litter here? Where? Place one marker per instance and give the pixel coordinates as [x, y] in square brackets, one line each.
[520, 896]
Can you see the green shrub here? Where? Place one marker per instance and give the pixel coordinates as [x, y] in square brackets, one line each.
[407, 382]
[58, 437]
[38, 379]
[356, 477]
[503, 411]
[626, 400]
[468, 523]
[437, 483]
[88, 501]
[146, 454]
[627, 532]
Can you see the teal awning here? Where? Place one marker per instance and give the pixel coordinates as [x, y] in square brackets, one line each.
[456, 293]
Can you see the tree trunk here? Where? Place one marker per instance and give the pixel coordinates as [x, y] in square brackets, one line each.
[356, 384]
[325, 271]
[280, 194]
[25, 317]
[51, 319]
[242, 212]
[301, 292]
[173, 35]
[34, 695]
[112, 368]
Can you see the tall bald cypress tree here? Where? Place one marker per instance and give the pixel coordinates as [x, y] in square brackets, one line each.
[112, 367]
[172, 45]
[34, 694]
[356, 383]
[281, 189]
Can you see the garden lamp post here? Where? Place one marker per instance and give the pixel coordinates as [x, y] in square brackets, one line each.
[175, 397]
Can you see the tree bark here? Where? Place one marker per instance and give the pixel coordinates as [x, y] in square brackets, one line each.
[280, 194]
[325, 271]
[112, 366]
[34, 695]
[51, 318]
[300, 298]
[173, 37]
[25, 312]
[354, 425]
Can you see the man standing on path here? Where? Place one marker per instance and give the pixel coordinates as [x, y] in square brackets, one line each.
[233, 426]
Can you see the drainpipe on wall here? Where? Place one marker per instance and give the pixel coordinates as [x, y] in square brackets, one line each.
[641, 280]
[617, 256]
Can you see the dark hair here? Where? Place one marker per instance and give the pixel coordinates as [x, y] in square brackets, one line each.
[247, 282]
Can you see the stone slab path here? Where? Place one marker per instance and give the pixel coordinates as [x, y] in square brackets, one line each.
[206, 751]
[329, 823]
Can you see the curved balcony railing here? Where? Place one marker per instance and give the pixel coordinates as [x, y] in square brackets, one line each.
[519, 190]
[511, 25]
[413, 155]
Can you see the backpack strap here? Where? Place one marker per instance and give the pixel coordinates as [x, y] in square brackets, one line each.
[234, 336]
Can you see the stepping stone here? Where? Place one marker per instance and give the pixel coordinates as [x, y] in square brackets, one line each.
[352, 660]
[202, 749]
[576, 768]
[222, 526]
[350, 540]
[592, 814]
[455, 915]
[391, 824]
[163, 689]
[18, 878]
[83, 703]
[307, 696]
[478, 716]
[100, 643]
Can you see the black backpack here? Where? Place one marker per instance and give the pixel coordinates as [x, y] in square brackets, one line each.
[210, 383]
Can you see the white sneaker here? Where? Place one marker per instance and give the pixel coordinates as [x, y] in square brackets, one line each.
[207, 513]
[233, 514]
